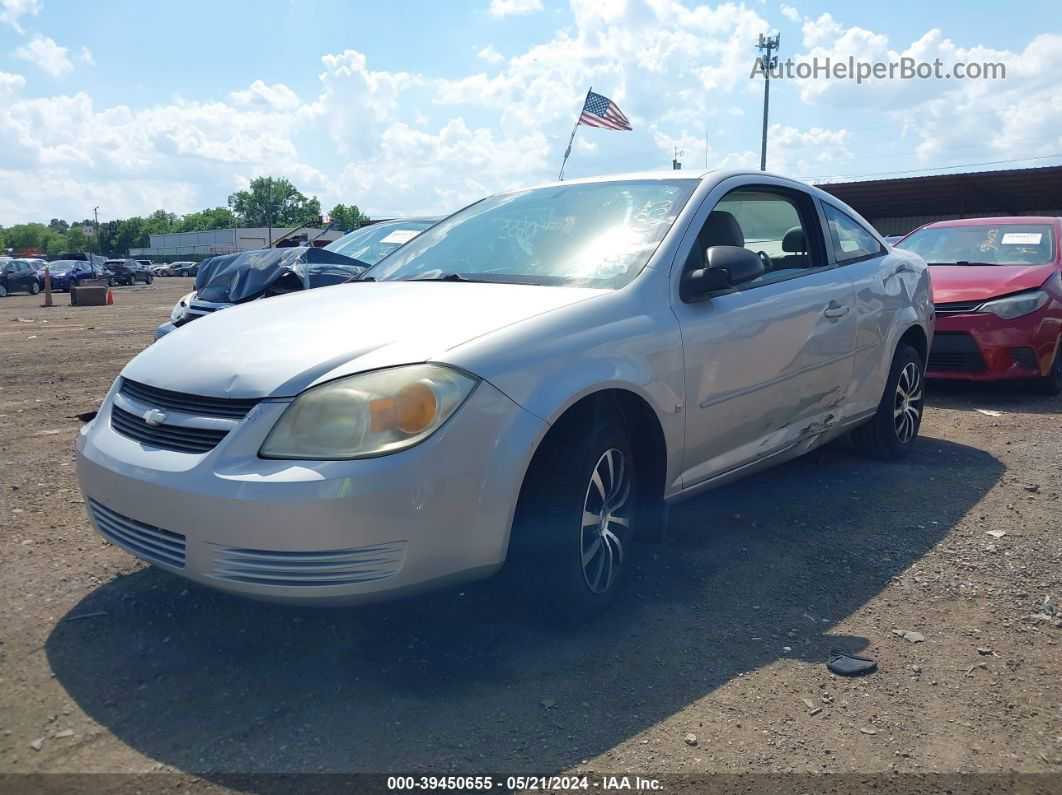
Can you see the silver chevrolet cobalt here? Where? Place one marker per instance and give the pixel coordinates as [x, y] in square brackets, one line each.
[526, 384]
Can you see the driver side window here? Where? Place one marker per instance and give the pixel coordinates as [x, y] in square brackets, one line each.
[767, 223]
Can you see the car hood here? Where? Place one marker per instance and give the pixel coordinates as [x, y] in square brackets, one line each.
[952, 283]
[279, 347]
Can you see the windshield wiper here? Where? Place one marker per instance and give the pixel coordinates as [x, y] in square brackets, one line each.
[448, 277]
[964, 262]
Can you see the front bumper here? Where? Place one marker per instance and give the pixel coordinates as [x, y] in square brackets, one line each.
[331, 532]
[982, 347]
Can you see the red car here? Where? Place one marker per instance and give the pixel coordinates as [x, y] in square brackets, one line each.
[997, 290]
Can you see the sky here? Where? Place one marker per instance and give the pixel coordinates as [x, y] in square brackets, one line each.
[422, 107]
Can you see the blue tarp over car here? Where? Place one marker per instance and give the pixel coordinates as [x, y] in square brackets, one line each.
[235, 278]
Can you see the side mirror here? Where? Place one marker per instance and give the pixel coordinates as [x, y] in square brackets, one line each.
[726, 267]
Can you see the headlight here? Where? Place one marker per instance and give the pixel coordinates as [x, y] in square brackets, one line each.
[180, 309]
[1013, 306]
[369, 414]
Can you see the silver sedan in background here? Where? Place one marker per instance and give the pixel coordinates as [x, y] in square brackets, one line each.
[525, 385]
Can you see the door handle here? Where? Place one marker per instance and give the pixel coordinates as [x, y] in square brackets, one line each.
[835, 310]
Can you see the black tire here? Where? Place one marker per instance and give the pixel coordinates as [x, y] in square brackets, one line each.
[3, 291]
[34, 288]
[148, 279]
[546, 569]
[887, 435]
[1050, 384]
[72, 284]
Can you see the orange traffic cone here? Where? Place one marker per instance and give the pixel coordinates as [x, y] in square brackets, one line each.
[110, 297]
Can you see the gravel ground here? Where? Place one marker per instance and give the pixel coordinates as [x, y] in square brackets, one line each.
[712, 661]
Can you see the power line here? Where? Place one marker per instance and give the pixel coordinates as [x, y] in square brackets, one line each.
[931, 168]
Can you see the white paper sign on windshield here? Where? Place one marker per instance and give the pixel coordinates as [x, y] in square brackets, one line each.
[401, 236]
[1022, 238]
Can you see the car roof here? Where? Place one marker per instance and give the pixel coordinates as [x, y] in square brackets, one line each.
[996, 220]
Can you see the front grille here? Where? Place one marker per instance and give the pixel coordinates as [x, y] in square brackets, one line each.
[143, 540]
[955, 351]
[167, 437]
[957, 307]
[316, 569]
[200, 406]
[202, 308]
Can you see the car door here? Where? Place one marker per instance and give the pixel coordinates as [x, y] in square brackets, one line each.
[19, 279]
[767, 363]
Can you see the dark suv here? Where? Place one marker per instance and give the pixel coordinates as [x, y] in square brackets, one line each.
[128, 271]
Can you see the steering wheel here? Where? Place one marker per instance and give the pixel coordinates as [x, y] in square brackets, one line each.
[768, 264]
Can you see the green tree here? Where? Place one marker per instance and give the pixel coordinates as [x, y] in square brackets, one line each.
[273, 201]
[216, 218]
[22, 236]
[348, 218]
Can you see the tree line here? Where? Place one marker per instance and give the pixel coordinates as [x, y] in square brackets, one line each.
[268, 202]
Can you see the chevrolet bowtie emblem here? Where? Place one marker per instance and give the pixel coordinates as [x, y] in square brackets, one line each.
[154, 417]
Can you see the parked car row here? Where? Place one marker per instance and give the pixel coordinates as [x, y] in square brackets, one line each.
[233, 279]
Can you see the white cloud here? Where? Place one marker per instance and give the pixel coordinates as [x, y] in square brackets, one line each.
[790, 13]
[275, 97]
[85, 56]
[11, 10]
[409, 142]
[504, 8]
[48, 56]
[490, 55]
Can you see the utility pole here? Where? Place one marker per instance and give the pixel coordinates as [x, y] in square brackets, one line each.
[675, 164]
[96, 217]
[767, 45]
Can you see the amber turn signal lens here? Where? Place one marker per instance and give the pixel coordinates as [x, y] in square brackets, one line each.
[415, 406]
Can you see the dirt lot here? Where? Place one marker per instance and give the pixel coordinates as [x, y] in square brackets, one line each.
[107, 665]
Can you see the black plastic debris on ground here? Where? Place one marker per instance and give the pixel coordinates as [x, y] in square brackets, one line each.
[844, 664]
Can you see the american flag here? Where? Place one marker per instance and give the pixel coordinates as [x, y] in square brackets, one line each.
[599, 111]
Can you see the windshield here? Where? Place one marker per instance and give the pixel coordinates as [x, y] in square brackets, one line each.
[64, 264]
[371, 244]
[987, 244]
[599, 234]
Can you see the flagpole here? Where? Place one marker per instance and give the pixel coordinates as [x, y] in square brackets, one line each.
[568, 151]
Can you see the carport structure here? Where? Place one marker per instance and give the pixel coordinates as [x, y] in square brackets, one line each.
[896, 206]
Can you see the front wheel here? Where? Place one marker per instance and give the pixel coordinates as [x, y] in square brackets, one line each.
[73, 283]
[3, 291]
[891, 432]
[573, 528]
[148, 279]
[1050, 384]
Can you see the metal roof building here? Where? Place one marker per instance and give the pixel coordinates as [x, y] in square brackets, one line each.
[196, 245]
[896, 206]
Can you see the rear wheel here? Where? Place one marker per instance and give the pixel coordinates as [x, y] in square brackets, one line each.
[1050, 384]
[891, 432]
[572, 533]
[34, 288]
[148, 279]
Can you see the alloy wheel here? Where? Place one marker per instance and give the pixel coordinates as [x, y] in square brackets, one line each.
[907, 408]
[605, 508]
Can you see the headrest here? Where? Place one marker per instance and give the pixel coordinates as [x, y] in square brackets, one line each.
[722, 229]
[794, 241]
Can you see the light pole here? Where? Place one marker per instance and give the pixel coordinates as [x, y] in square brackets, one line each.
[767, 45]
[96, 218]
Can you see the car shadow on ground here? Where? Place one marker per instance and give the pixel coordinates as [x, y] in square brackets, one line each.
[993, 395]
[212, 684]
